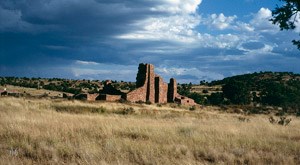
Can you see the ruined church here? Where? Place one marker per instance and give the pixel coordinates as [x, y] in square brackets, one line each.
[150, 87]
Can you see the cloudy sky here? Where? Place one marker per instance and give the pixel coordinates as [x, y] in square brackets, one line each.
[190, 40]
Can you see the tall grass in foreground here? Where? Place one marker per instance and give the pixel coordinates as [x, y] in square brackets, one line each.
[57, 132]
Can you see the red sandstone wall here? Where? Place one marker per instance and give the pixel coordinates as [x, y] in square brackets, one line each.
[156, 90]
[147, 91]
[107, 97]
[164, 93]
[92, 97]
[172, 90]
[139, 94]
[185, 100]
[113, 97]
[161, 90]
[151, 83]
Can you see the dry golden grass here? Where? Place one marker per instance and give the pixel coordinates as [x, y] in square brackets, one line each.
[33, 91]
[73, 132]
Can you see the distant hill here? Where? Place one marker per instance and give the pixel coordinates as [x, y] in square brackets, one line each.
[63, 85]
[281, 89]
[254, 79]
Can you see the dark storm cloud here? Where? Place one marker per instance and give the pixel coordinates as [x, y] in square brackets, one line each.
[68, 29]
[87, 17]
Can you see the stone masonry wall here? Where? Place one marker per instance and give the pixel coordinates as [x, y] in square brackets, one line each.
[161, 90]
[172, 90]
[151, 84]
[92, 97]
[107, 97]
[184, 100]
[139, 94]
[154, 89]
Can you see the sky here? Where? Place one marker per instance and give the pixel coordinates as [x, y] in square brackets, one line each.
[190, 40]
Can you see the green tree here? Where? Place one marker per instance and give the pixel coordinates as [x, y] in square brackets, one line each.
[237, 92]
[216, 98]
[286, 16]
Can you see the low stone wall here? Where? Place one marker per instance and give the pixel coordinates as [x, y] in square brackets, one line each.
[107, 97]
[137, 95]
[185, 100]
[92, 97]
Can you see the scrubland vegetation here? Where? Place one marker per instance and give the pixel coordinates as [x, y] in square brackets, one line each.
[42, 131]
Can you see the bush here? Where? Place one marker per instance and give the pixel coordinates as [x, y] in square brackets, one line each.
[237, 92]
[125, 111]
[192, 108]
[140, 102]
[298, 113]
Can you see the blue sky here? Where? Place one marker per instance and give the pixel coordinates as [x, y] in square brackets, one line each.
[190, 40]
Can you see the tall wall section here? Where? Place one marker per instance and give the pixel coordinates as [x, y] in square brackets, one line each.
[161, 90]
[172, 90]
[145, 85]
[151, 84]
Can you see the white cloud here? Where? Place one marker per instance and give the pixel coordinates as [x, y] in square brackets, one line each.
[178, 28]
[86, 62]
[220, 21]
[220, 41]
[242, 26]
[186, 75]
[261, 21]
[177, 6]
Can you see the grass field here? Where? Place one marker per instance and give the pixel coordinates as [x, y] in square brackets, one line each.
[33, 91]
[41, 131]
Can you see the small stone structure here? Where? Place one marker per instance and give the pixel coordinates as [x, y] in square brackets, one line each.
[184, 100]
[150, 88]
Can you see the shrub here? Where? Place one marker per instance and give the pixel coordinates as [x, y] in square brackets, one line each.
[281, 121]
[192, 108]
[125, 111]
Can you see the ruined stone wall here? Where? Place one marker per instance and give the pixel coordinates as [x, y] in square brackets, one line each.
[161, 90]
[172, 90]
[107, 97]
[139, 94]
[92, 97]
[184, 100]
[152, 88]
[151, 84]
[147, 91]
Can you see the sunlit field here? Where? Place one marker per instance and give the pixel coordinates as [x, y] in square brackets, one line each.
[41, 131]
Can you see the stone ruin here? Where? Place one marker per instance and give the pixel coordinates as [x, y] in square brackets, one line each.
[150, 88]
